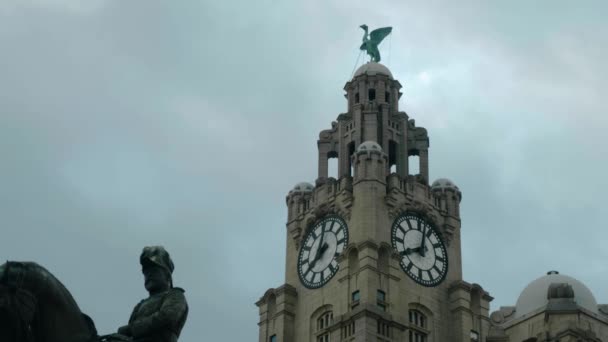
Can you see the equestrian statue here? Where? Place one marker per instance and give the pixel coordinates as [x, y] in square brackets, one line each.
[36, 307]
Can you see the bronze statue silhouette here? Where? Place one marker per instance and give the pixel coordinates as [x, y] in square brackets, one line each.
[370, 44]
[36, 307]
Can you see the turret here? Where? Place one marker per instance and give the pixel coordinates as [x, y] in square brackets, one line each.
[298, 199]
[447, 196]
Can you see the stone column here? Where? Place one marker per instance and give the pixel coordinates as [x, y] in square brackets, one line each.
[322, 165]
[424, 164]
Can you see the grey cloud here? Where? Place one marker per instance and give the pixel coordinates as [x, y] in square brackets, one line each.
[186, 124]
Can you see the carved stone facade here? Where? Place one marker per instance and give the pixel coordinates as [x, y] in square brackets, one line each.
[371, 298]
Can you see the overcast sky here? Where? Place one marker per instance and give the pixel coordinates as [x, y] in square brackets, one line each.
[185, 123]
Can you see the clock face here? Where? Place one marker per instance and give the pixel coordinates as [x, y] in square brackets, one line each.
[423, 254]
[317, 262]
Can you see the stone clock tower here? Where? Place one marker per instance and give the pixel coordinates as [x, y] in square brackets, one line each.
[374, 254]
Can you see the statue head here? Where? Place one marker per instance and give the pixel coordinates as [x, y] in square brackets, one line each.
[157, 267]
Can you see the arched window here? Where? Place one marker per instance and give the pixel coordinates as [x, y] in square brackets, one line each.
[323, 324]
[357, 97]
[418, 326]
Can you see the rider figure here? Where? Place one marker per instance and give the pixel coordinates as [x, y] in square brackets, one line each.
[161, 316]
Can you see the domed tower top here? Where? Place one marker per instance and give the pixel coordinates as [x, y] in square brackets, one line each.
[373, 115]
[372, 69]
[537, 294]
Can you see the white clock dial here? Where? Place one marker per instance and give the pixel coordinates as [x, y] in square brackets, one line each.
[322, 245]
[423, 254]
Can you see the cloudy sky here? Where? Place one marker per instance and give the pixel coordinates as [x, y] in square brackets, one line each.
[185, 123]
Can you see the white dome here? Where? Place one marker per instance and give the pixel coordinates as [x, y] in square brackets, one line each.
[369, 146]
[443, 184]
[534, 296]
[303, 187]
[373, 68]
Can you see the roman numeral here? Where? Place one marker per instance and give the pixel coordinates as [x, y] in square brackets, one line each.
[339, 242]
[400, 240]
[409, 266]
[336, 255]
[307, 271]
[429, 274]
[332, 268]
[331, 228]
[306, 248]
[439, 258]
[420, 273]
[409, 224]
[402, 230]
[437, 245]
[436, 269]
[428, 232]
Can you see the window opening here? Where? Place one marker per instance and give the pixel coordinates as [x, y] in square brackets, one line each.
[332, 165]
[414, 165]
[371, 94]
[418, 323]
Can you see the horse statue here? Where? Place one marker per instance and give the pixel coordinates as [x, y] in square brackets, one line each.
[36, 307]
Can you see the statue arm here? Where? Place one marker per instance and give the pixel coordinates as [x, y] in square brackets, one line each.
[126, 329]
[173, 310]
[135, 309]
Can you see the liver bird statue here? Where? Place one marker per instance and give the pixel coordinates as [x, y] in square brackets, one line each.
[370, 44]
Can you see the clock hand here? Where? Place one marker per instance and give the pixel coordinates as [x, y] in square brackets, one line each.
[318, 254]
[323, 249]
[408, 251]
[421, 250]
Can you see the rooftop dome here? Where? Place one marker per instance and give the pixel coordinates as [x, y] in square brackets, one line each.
[369, 146]
[373, 68]
[303, 187]
[534, 296]
[443, 184]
